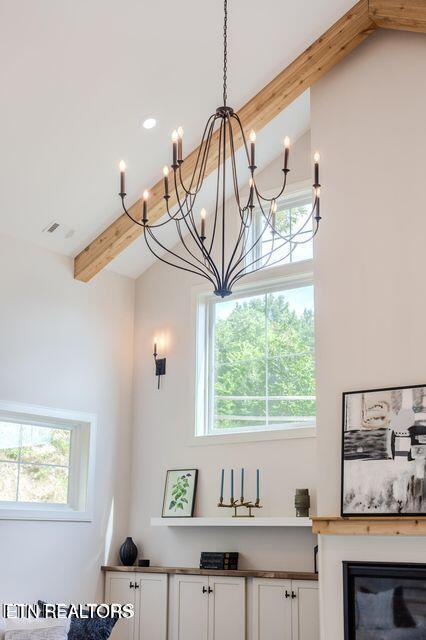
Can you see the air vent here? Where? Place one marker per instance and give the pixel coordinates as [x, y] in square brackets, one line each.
[52, 228]
[60, 230]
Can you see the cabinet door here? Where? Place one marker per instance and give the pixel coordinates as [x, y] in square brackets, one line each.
[271, 609]
[190, 607]
[305, 610]
[227, 608]
[119, 588]
[151, 607]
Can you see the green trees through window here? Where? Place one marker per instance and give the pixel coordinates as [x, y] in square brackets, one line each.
[264, 361]
[34, 463]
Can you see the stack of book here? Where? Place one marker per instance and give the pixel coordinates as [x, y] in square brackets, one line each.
[219, 560]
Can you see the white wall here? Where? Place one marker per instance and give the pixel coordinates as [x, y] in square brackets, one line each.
[368, 120]
[164, 422]
[66, 345]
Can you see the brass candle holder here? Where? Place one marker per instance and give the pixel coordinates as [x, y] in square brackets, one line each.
[240, 504]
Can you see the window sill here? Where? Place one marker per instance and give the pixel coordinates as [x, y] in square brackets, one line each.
[254, 436]
[58, 515]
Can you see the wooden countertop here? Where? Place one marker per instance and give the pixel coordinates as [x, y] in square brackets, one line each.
[249, 573]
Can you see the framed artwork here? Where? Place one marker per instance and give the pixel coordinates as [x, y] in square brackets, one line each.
[384, 452]
[179, 493]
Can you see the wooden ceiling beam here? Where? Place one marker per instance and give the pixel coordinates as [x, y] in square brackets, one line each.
[346, 34]
[407, 15]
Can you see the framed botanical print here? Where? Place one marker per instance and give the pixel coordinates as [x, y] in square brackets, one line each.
[384, 452]
[179, 493]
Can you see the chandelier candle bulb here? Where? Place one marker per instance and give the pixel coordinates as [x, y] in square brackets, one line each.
[316, 168]
[145, 206]
[252, 149]
[286, 152]
[175, 138]
[122, 177]
[274, 215]
[251, 185]
[203, 224]
[317, 204]
[180, 137]
[166, 181]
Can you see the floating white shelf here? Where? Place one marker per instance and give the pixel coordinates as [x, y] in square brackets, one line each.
[231, 522]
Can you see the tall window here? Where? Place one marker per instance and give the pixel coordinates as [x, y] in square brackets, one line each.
[260, 364]
[44, 465]
[256, 350]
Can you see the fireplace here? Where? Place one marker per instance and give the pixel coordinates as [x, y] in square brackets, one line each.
[384, 601]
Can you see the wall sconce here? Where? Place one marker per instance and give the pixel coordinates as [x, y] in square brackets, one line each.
[160, 364]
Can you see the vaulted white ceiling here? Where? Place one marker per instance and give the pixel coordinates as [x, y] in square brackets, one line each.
[78, 77]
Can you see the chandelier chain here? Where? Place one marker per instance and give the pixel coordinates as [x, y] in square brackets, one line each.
[225, 52]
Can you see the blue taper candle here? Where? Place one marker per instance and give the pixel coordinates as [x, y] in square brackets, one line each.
[257, 484]
[232, 485]
[222, 480]
[242, 483]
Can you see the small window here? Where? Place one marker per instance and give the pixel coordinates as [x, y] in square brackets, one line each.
[259, 361]
[293, 214]
[44, 465]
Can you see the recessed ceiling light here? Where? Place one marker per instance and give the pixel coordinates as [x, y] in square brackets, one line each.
[149, 123]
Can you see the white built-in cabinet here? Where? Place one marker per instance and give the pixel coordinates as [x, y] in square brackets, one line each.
[305, 610]
[285, 610]
[209, 608]
[190, 608]
[196, 607]
[119, 588]
[148, 592]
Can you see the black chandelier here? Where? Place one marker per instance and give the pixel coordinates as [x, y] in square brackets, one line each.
[205, 252]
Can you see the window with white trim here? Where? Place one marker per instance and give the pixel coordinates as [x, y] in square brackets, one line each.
[259, 360]
[256, 350]
[45, 465]
[293, 216]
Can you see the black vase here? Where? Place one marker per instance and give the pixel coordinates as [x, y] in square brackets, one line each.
[128, 552]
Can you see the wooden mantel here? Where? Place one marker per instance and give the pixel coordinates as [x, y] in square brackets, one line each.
[372, 526]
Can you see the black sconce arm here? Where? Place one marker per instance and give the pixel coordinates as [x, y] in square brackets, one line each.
[160, 366]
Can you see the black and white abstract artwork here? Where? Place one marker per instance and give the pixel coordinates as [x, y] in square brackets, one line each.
[384, 452]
